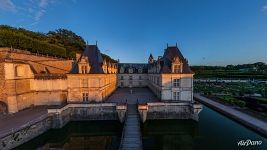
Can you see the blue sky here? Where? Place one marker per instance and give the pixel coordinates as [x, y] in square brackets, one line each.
[208, 32]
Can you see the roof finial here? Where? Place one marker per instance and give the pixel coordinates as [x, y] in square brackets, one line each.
[86, 42]
[96, 42]
[176, 44]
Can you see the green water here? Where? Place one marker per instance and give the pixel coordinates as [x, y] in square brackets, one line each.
[213, 132]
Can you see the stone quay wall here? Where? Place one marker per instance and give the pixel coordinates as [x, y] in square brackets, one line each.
[26, 132]
[57, 118]
[163, 110]
[78, 112]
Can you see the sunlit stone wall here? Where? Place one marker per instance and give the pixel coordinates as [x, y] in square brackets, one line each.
[97, 86]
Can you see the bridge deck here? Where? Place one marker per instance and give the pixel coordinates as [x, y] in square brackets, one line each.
[131, 136]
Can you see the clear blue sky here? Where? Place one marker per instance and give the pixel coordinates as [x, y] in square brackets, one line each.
[208, 32]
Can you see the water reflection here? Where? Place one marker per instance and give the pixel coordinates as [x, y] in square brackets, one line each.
[169, 134]
[95, 135]
[213, 131]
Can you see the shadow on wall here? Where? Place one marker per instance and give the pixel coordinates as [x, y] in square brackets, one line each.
[3, 108]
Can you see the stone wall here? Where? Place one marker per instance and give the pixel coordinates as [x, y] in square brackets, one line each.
[78, 112]
[161, 110]
[155, 83]
[185, 87]
[3, 92]
[98, 86]
[57, 118]
[38, 62]
[18, 87]
[24, 91]
[25, 133]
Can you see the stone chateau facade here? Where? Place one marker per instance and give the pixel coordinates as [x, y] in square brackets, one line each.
[28, 79]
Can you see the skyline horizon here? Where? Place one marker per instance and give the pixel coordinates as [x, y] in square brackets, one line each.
[233, 33]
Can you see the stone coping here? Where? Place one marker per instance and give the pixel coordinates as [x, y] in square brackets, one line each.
[60, 110]
[169, 103]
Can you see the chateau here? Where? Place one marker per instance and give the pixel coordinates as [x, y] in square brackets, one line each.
[28, 79]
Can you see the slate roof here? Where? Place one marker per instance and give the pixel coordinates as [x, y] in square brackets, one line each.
[95, 60]
[166, 61]
[135, 67]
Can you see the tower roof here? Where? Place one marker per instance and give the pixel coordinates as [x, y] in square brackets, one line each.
[95, 59]
[170, 53]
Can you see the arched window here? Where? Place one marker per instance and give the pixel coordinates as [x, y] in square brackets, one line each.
[19, 71]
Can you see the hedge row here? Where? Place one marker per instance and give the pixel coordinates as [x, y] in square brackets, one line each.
[21, 41]
[232, 101]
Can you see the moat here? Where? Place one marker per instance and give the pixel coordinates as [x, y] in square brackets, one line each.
[212, 131]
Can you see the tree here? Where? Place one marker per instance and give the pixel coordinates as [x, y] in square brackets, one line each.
[68, 39]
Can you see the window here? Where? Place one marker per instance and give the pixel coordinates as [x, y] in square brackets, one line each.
[176, 95]
[130, 77]
[122, 84]
[19, 71]
[140, 77]
[84, 69]
[140, 83]
[131, 83]
[121, 77]
[121, 70]
[85, 96]
[130, 70]
[176, 69]
[176, 82]
[84, 83]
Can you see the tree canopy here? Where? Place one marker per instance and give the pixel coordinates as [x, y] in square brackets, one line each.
[61, 42]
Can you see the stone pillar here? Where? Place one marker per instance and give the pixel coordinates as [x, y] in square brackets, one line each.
[121, 110]
[196, 108]
[142, 109]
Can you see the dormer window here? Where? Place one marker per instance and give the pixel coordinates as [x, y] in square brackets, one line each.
[130, 70]
[177, 68]
[84, 69]
[121, 70]
[105, 69]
